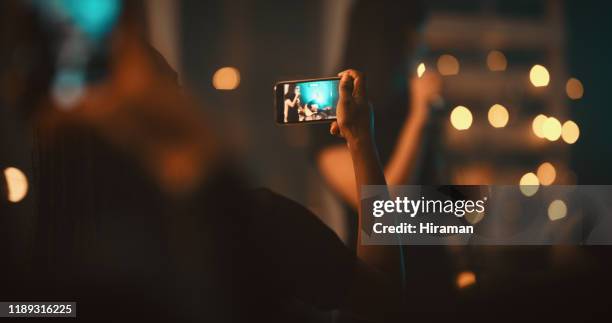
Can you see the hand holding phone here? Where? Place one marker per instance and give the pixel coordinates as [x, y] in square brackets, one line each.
[354, 118]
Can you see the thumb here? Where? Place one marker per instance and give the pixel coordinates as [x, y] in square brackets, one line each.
[358, 86]
[345, 87]
[334, 129]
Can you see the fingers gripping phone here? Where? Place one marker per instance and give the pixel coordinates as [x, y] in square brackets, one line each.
[304, 101]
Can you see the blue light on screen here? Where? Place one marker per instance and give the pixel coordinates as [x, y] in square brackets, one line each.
[323, 93]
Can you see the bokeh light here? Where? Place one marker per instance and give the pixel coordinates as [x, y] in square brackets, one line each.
[461, 118]
[448, 65]
[68, 88]
[226, 78]
[546, 173]
[474, 217]
[529, 184]
[96, 18]
[574, 89]
[421, 69]
[498, 116]
[17, 184]
[539, 76]
[465, 279]
[537, 125]
[557, 210]
[496, 61]
[551, 129]
[570, 132]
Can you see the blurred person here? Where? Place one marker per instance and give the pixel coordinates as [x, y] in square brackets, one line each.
[383, 50]
[140, 213]
[521, 277]
[311, 111]
[292, 104]
[530, 278]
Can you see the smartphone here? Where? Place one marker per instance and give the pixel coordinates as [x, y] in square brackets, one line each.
[305, 101]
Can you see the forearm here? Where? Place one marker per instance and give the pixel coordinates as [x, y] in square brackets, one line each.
[354, 123]
[404, 157]
[366, 164]
[368, 171]
[286, 113]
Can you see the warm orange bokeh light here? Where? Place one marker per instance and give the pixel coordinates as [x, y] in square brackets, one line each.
[421, 70]
[496, 61]
[448, 65]
[226, 78]
[537, 124]
[570, 132]
[17, 184]
[557, 210]
[461, 118]
[551, 128]
[529, 184]
[465, 279]
[498, 116]
[539, 76]
[574, 89]
[546, 173]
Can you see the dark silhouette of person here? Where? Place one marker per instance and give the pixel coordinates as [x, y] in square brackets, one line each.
[140, 214]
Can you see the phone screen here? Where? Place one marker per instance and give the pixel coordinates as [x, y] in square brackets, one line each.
[306, 101]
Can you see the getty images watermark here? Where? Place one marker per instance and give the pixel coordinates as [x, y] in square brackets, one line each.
[486, 215]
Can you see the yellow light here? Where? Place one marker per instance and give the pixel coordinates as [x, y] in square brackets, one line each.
[17, 184]
[570, 132]
[574, 89]
[465, 279]
[551, 128]
[448, 65]
[496, 61]
[461, 118]
[498, 116]
[537, 125]
[421, 69]
[474, 217]
[557, 210]
[226, 78]
[539, 76]
[546, 173]
[529, 184]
